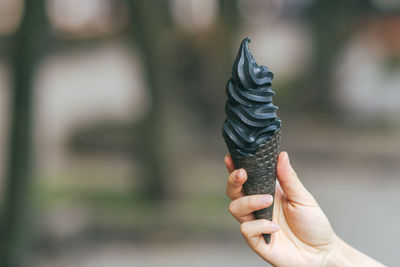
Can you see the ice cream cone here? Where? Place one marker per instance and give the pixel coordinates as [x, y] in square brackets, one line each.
[252, 128]
[261, 172]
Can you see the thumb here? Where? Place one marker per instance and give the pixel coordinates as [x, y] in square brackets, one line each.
[290, 183]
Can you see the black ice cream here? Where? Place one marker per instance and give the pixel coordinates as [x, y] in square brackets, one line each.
[251, 116]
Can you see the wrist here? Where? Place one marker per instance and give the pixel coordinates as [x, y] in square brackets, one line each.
[336, 257]
[333, 257]
[344, 255]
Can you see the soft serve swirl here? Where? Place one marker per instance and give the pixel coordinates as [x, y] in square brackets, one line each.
[251, 116]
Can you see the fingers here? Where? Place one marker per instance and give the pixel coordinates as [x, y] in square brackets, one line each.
[252, 231]
[243, 207]
[290, 183]
[229, 163]
[235, 182]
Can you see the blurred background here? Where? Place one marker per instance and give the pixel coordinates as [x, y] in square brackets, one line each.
[111, 151]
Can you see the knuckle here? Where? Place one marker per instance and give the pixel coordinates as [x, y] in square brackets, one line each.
[227, 191]
[232, 207]
[252, 201]
[231, 179]
[266, 224]
[244, 228]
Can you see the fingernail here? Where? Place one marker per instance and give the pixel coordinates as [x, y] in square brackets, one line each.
[275, 226]
[237, 174]
[266, 199]
[241, 173]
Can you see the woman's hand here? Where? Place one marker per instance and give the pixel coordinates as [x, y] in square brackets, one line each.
[302, 235]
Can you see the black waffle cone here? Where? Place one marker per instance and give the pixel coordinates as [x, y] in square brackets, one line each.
[261, 172]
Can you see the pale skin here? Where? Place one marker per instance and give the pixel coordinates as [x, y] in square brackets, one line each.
[302, 234]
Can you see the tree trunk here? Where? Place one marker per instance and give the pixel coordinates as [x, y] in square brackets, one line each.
[14, 223]
[149, 21]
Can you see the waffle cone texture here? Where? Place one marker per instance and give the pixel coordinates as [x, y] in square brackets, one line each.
[261, 172]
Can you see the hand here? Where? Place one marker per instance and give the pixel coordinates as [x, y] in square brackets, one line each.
[302, 235]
